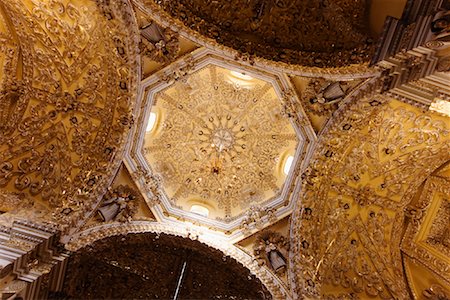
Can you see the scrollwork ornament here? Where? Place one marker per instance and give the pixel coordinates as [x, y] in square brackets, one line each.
[218, 21]
[414, 213]
[436, 292]
[395, 146]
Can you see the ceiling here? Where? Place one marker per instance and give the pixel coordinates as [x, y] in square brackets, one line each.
[235, 89]
[220, 141]
[310, 33]
[66, 109]
[365, 192]
[223, 139]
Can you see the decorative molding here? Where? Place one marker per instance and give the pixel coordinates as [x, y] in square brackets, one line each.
[32, 254]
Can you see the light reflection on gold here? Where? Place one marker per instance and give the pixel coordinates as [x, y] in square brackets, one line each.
[441, 106]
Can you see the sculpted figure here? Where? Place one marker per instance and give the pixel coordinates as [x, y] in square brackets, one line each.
[276, 259]
[119, 206]
[271, 249]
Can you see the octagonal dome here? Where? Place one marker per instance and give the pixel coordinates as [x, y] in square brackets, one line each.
[217, 137]
[220, 141]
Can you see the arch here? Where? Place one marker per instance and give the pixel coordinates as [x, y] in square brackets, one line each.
[353, 71]
[88, 236]
[71, 108]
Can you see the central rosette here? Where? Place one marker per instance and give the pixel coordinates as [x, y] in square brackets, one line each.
[222, 139]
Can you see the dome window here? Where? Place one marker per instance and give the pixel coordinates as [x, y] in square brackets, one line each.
[288, 164]
[151, 122]
[200, 210]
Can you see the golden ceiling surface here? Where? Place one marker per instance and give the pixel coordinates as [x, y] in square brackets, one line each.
[255, 127]
[220, 140]
[68, 78]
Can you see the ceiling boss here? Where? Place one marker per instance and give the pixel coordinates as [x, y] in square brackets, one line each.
[220, 139]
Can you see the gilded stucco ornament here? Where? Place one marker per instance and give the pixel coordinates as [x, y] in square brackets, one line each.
[255, 217]
[178, 73]
[10, 201]
[152, 185]
[171, 95]
[209, 273]
[119, 204]
[427, 237]
[436, 292]
[267, 277]
[444, 64]
[66, 100]
[322, 97]
[220, 138]
[335, 36]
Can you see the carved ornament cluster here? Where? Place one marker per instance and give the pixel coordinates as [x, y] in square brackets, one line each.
[321, 96]
[427, 237]
[255, 215]
[119, 204]
[272, 249]
[159, 44]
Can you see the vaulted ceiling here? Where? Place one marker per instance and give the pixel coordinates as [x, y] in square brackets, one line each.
[230, 128]
[220, 140]
[69, 75]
